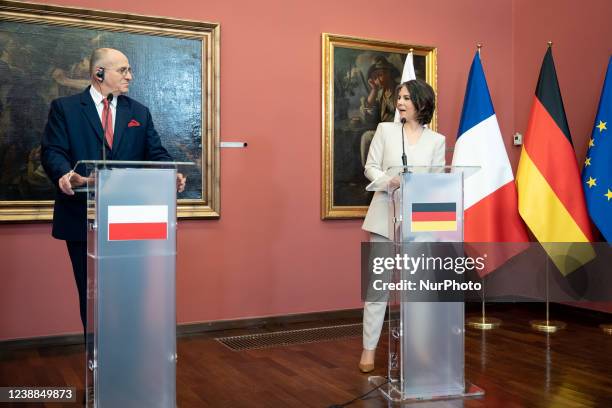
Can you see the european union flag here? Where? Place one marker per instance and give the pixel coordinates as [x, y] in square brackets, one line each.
[597, 172]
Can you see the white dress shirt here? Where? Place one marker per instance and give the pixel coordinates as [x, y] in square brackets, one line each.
[98, 99]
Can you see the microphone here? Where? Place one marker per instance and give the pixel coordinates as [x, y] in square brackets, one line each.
[109, 98]
[404, 158]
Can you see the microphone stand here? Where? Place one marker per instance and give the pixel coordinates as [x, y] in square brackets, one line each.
[404, 158]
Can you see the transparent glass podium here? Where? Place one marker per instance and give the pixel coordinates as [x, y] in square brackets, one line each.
[131, 296]
[426, 339]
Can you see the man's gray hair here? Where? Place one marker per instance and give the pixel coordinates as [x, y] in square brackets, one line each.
[96, 58]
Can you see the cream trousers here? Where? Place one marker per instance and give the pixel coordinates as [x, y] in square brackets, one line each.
[373, 312]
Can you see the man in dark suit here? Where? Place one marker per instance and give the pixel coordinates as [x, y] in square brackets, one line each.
[74, 132]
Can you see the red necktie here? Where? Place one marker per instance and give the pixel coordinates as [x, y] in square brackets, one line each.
[107, 114]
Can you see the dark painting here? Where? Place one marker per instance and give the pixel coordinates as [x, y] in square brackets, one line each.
[44, 54]
[355, 120]
[359, 80]
[42, 62]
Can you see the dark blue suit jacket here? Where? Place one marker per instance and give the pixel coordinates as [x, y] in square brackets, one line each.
[74, 132]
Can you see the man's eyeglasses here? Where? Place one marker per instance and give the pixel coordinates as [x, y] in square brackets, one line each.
[122, 71]
[125, 70]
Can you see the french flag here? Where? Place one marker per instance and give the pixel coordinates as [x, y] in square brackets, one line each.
[137, 222]
[490, 197]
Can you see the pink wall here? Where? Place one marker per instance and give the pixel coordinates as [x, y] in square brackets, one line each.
[270, 254]
[580, 32]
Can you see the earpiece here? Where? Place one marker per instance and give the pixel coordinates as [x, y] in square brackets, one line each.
[100, 74]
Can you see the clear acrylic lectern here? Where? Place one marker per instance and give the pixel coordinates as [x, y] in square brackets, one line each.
[426, 339]
[131, 258]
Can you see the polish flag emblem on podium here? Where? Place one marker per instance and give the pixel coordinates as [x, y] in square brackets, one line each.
[137, 222]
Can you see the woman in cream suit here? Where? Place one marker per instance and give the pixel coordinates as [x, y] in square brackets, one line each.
[416, 103]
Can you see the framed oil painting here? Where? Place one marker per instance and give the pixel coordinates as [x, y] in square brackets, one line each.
[355, 72]
[44, 54]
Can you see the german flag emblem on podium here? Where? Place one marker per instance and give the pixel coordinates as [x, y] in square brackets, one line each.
[433, 217]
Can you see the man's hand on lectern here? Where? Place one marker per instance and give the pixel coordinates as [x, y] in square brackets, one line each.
[180, 182]
[70, 180]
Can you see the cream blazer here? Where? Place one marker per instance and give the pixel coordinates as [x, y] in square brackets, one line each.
[385, 152]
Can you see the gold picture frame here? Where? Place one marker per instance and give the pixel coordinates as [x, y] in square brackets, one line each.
[345, 124]
[44, 53]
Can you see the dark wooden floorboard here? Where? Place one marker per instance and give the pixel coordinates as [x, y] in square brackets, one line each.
[516, 366]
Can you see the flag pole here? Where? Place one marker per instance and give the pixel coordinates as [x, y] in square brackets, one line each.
[599, 214]
[547, 326]
[483, 322]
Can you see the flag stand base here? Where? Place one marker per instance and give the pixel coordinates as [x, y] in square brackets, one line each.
[547, 326]
[483, 323]
[607, 328]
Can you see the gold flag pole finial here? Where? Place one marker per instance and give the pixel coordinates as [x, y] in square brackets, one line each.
[478, 47]
[411, 51]
[550, 44]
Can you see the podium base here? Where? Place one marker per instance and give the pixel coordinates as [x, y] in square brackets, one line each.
[547, 326]
[607, 328]
[483, 323]
[392, 392]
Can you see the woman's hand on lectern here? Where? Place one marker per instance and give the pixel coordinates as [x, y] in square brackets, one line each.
[394, 183]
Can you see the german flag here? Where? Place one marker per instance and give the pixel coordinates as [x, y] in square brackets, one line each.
[434, 217]
[551, 200]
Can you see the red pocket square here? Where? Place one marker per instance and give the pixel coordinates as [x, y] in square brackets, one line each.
[133, 123]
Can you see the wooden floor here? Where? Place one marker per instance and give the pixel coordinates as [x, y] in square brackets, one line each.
[516, 366]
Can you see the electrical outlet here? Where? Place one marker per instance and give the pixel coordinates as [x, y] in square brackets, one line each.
[518, 139]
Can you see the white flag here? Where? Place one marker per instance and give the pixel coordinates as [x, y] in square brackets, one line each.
[407, 75]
